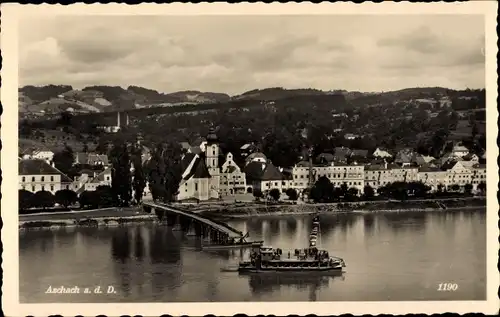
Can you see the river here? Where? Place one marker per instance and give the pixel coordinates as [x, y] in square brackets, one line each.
[389, 256]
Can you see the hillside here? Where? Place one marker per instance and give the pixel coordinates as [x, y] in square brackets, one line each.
[53, 99]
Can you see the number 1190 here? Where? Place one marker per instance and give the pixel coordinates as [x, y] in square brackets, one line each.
[447, 287]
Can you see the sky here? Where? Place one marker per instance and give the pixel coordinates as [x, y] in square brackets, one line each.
[234, 54]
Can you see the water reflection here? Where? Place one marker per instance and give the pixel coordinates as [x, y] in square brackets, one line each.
[396, 255]
[267, 283]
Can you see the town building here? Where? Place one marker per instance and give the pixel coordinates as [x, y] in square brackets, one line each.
[232, 179]
[460, 151]
[458, 173]
[89, 180]
[351, 136]
[478, 175]
[255, 157]
[351, 175]
[432, 176]
[93, 159]
[266, 176]
[36, 175]
[201, 175]
[196, 179]
[247, 149]
[45, 155]
[381, 152]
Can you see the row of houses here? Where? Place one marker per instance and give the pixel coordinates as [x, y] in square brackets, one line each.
[205, 178]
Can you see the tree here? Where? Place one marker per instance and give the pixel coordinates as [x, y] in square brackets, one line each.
[468, 188]
[121, 179]
[418, 189]
[292, 194]
[25, 199]
[43, 199]
[455, 187]
[368, 192]
[88, 199]
[482, 187]
[64, 159]
[275, 194]
[352, 194]
[85, 147]
[138, 177]
[105, 197]
[343, 189]
[257, 193]
[173, 172]
[322, 191]
[65, 197]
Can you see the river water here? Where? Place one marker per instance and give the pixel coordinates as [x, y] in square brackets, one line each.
[389, 256]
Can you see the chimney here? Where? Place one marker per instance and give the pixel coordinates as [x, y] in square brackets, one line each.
[385, 163]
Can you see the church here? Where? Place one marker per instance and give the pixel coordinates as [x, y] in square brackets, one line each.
[201, 172]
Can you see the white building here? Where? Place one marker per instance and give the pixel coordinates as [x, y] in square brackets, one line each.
[459, 151]
[37, 175]
[45, 155]
[201, 175]
[351, 175]
[232, 179]
[382, 153]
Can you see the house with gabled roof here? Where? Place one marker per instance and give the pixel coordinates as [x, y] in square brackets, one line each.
[232, 178]
[37, 175]
[382, 152]
[201, 175]
[89, 181]
[256, 157]
[341, 154]
[460, 151]
[247, 149]
[196, 179]
[270, 178]
[404, 157]
[93, 159]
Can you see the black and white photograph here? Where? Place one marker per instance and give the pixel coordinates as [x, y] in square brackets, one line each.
[176, 156]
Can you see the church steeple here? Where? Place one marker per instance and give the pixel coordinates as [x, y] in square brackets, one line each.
[212, 151]
[212, 136]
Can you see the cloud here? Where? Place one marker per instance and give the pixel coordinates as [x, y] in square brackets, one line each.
[237, 53]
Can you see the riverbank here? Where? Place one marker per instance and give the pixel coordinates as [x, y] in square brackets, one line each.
[106, 217]
[448, 204]
[110, 217]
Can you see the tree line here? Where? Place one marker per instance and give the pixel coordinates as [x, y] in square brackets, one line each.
[324, 191]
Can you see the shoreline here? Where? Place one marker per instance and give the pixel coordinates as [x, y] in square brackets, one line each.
[427, 205]
[226, 213]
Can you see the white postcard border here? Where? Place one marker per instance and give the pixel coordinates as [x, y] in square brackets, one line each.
[9, 203]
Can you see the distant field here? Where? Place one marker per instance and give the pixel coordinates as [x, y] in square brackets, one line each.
[54, 141]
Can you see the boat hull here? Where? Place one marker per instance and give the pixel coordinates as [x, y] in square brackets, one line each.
[334, 271]
[231, 246]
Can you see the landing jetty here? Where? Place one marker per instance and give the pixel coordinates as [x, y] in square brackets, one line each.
[105, 217]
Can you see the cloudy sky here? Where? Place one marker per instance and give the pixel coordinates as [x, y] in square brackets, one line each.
[234, 54]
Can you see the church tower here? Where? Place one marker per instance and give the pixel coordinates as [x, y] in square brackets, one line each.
[212, 162]
[212, 151]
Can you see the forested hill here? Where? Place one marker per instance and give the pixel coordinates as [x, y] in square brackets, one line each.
[95, 99]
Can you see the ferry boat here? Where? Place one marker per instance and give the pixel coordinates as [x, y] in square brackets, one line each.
[233, 245]
[268, 260]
